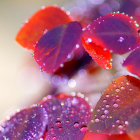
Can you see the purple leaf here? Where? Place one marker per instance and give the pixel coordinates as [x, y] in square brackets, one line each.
[116, 32]
[28, 124]
[54, 47]
[133, 128]
[68, 117]
[134, 123]
[132, 62]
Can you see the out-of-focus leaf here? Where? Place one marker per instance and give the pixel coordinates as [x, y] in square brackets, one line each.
[132, 62]
[54, 47]
[42, 21]
[71, 67]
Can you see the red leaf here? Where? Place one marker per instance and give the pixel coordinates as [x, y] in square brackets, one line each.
[68, 117]
[135, 135]
[132, 62]
[53, 48]
[101, 56]
[96, 136]
[117, 106]
[42, 21]
[116, 32]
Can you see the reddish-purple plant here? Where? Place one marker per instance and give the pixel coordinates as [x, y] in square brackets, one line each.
[52, 35]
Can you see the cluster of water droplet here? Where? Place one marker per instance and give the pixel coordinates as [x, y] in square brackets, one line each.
[68, 116]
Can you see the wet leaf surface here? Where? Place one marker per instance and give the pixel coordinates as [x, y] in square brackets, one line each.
[101, 56]
[29, 124]
[53, 49]
[68, 117]
[116, 106]
[116, 32]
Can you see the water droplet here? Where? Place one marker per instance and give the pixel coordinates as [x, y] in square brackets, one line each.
[62, 103]
[58, 123]
[74, 101]
[69, 56]
[97, 120]
[107, 96]
[106, 111]
[103, 116]
[52, 129]
[130, 89]
[83, 129]
[58, 119]
[137, 25]
[127, 83]
[61, 65]
[60, 129]
[117, 90]
[54, 108]
[54, 138]
[120, 127]
[126, 122]
[89, 40]
[122, 88]
[72, 83]
[104, 101]
[77, 46]
[76, 124]
[113, 125]
[67, 121]
[115, 105]
[121, 39]
[118, 121]
[107, 106]
[118, 100]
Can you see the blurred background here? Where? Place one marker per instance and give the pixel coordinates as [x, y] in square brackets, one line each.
[16, 87]
[21, 81]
